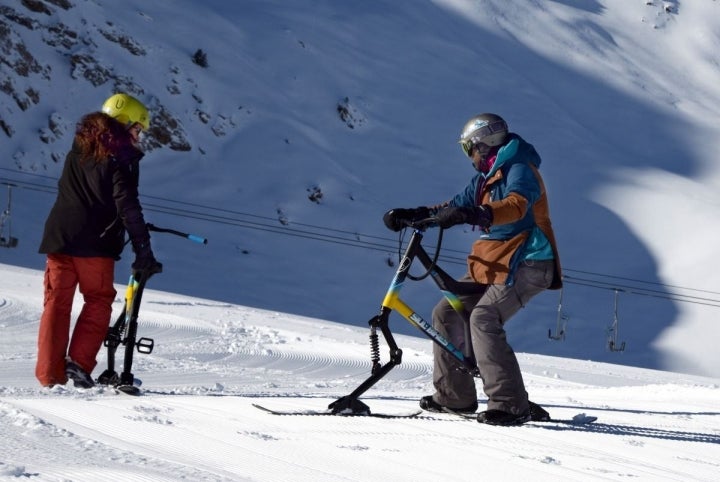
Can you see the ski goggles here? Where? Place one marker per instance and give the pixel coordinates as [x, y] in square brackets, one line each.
[469, 146]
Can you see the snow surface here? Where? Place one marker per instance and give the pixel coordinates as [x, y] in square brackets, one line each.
[213, 360]
[622, 100]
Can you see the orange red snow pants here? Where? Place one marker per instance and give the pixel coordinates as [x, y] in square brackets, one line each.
[63, 275]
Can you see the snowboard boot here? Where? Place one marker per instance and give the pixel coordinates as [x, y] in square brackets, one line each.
[427, 403]
[80, 377]
[538, 414]
[500, 417]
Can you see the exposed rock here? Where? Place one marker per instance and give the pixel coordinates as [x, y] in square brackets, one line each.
[81, 52]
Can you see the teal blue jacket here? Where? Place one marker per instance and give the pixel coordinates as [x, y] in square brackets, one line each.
[521, 228]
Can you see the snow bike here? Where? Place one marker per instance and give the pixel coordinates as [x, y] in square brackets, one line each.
[124, 331]
[449, 287]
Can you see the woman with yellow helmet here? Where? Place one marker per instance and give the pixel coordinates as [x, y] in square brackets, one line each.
[97, 203]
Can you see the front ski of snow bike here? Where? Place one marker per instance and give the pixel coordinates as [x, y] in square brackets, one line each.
[124, 331]
[450, 288]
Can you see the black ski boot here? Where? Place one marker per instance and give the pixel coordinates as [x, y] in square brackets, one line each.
[538, 414]
[428, 403]
[79, 376]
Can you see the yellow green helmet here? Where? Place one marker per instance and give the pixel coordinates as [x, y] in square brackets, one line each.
[127, 109]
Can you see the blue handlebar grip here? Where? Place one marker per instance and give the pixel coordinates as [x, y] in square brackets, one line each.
[197, 239]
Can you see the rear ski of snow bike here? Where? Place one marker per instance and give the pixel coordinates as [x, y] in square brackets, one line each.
[450, 288]
[124, 331]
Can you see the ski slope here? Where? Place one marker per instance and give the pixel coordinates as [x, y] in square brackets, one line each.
[213, 360]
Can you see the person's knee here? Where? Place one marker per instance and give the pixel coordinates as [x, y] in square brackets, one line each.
[440, 312]
[487, 320]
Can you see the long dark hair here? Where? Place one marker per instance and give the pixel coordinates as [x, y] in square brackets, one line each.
[98, 137]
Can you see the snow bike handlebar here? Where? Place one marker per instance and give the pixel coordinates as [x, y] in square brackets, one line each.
[419, 224]
[191, 237]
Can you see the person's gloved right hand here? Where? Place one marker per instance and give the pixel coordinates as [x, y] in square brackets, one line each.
[479, 216]
[145, 261]
[397, 218]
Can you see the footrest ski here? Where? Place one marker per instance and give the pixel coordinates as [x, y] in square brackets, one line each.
[412, 414]
[579, 419]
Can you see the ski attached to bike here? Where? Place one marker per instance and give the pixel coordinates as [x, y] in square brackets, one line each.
[411, 414]
[579, 419]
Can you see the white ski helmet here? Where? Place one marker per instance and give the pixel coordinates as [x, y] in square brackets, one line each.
[488, 129]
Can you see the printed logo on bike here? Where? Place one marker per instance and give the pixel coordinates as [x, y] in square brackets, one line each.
[428, 328]
[417, 319]
[435, 335]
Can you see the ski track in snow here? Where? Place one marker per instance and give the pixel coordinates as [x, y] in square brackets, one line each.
[74, 455]
[133, 431]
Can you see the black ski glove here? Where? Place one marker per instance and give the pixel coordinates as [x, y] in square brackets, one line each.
[397, 218]
[145, 263]
[480, 216]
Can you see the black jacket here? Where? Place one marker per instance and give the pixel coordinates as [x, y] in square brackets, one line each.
[95, 205]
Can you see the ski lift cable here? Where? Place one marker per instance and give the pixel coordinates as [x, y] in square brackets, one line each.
[601, 275]
[665, 296]
[359, 240]
[634, 289]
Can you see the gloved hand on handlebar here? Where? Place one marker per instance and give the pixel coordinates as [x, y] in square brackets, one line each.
[479, 215]
[145, 261]
[398, 218]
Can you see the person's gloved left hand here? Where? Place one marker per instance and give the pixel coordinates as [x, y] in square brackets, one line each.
[479, 215]
[397, 218]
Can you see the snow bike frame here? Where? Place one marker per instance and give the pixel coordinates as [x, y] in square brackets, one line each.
[124, 331]
[450, 289]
